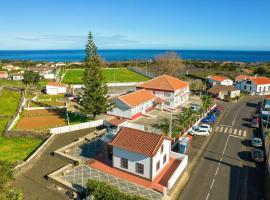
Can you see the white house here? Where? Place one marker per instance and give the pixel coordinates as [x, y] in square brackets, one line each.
[17, 77]
[133, 104]
[53, 88]
[219, 80]
[255, 85]
[173, 91]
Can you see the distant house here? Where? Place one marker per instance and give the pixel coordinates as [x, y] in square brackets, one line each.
[54, 88]
[223, 92]
[255, 85]
[219, 80]
[3, 75]
[173, 91]
[133, 105]
[17, 77]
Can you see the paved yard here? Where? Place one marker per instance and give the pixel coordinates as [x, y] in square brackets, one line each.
[79, 176]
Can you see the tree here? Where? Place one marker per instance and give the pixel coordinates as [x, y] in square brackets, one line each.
[6, 179]
[95, 99]
[170, 63]
[30, 78]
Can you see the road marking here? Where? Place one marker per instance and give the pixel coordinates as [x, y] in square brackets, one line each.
[239, 132]
[245, 133]
[225, 131]
[217, 129]
[221, 129]
[231, 130]
[235, 131]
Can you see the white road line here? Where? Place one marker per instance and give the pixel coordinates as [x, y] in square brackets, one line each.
[235, 131]
[244, 133]
[225, 131]
[230, 131]
[239, 132]
[221, 129]
[217, 129]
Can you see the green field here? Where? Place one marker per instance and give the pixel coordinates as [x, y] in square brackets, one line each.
[74, 76]
[13, 149]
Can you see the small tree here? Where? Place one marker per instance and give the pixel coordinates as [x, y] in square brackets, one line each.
[95, 99]
[30, 78]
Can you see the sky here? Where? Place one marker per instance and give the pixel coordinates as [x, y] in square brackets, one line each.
[135, 24]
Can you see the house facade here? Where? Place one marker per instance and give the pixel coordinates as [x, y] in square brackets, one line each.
[255, 85]
[141, 153]
[53, 88]
[133, 105]
[219, 80]
[172, 91]
[3, 75]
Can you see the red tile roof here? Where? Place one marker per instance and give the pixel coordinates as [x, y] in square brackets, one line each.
[138, 141]
[260, 80]
[164, 82]
[218, 78]
[56, 84]
[242, 77]
[136, 98]
[117, 121]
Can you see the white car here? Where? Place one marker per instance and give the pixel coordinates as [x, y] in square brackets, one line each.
[195, 130]
[206, 127]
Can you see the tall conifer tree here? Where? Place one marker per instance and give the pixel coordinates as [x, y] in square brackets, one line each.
[95, 99]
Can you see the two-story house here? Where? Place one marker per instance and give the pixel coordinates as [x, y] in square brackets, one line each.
[173, 91]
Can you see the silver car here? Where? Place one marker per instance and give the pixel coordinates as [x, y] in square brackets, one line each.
[256, 142]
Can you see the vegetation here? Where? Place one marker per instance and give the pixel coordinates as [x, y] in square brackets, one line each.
[74, 76]
[103, 191]
[7, 192]
[95, 99]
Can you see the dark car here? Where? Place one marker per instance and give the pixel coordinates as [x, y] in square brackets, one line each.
[257, 155]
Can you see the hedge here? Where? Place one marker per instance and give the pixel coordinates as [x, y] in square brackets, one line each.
[103, 191]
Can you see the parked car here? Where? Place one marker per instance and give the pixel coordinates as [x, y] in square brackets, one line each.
[195, 130]
[257, 155]
[209, 119]
[256, 142]
[194, 107]
[206, 127]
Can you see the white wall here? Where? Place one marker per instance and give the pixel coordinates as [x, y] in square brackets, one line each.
[133, 158]
[159, 157]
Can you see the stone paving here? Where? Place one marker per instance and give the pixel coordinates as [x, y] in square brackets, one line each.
[79, 176]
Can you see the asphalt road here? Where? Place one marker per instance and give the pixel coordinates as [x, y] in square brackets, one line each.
[225, 170]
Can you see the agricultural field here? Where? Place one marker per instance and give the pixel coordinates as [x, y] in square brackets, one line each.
[74, 76]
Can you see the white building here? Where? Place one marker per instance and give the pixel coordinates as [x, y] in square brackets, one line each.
[145, 154]
[133, 105]
[173, 91]
[255, 85]
[219, 80]
[54, 88]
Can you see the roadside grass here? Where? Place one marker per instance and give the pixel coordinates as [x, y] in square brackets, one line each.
[74, 76]
[17, 148]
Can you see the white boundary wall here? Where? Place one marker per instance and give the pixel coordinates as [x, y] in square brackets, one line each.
[75, 127]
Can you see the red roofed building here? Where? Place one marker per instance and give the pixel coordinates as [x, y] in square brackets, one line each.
[219, 80]
[143, 153]
[255, 85]
[54, 88]
[173, 91]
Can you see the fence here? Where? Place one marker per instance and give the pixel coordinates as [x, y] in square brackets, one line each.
[75, 127]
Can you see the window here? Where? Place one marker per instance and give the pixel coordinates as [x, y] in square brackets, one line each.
[157, 166]
[139, 168]
[162, 148]
[164, 158]
[124, 163]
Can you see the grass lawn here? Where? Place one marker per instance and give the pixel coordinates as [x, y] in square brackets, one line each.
[9, 101]
[19, 148]
[111, 75]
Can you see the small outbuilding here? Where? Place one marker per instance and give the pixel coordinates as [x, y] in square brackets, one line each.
[54, 88]
[224, 92]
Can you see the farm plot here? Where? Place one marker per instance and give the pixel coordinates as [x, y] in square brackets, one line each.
[113, 75]
[41, 119]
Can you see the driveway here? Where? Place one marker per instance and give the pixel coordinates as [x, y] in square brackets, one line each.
[33, 184]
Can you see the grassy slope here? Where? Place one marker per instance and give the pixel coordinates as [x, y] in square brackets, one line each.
[13, 149]
[111, 75]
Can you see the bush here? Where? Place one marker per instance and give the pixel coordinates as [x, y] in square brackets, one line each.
[103, 191]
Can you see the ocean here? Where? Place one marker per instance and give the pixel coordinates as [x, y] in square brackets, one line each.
[123, 55]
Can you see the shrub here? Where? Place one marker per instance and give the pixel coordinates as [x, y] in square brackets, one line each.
[103, 191]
